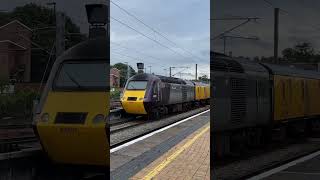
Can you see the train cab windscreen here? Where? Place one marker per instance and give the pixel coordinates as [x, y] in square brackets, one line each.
[137, 85]
[82, 76]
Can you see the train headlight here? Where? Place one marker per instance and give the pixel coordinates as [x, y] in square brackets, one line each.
[44, 117]
[98, 119]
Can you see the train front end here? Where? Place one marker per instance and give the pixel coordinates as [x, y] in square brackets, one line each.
[71, 121]
[135, 95]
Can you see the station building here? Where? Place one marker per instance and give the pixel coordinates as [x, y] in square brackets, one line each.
[15, 52]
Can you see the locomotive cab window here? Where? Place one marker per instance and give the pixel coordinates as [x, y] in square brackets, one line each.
[73, 75]
[137, 85]
[155, 89]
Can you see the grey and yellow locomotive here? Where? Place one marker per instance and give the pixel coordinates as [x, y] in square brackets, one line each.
[154, 95]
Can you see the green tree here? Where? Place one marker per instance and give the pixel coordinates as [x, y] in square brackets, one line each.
[301, 52]
[204, 78]
[35, 16]
[123, 72]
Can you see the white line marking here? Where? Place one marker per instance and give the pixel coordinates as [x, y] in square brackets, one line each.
[154, 132]
[285, 166]
[303, 173]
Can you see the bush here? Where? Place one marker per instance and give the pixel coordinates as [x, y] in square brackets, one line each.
[17, 104]
[115, 94]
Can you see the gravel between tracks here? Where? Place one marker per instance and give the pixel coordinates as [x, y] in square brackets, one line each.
[125, 125]
[122, 136]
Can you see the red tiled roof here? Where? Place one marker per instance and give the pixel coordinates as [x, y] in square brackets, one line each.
[16, 21]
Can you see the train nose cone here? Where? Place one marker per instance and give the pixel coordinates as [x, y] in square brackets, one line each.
[132, 102]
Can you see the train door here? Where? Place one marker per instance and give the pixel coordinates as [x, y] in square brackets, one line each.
[156, 92]
[262, 101]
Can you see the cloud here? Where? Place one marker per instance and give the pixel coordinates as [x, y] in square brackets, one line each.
[180, 21]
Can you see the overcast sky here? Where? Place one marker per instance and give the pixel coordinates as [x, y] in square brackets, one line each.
[298, 24]
[186, 23]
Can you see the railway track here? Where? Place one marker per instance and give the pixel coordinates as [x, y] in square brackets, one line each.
[18, 140]
[12, 144]
[120, 126]
[14, 135]
[121, 121]
[15, 126]
[141, 128]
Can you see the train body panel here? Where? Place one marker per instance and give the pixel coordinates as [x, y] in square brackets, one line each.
[207, 92]
[295, 93]
[241, 94]
[312, 96]
[288, 98]
[202, 91]
[175, 94]
[188, 91]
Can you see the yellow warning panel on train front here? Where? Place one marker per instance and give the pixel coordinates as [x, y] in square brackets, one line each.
[75, 143]
[132, 102]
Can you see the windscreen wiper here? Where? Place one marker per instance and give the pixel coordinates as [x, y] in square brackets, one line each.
[133, 87]
[74, 81]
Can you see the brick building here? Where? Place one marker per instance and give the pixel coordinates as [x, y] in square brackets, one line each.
[15, 51]
[114, 77]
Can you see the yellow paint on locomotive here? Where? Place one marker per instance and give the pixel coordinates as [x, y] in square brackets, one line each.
[76, 143]
[284, 90]
[296, 106]
[134, 106]
[312, 96]
[202, 92]
[198, 93]
[295, 97]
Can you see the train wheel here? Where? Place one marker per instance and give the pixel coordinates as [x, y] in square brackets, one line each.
[254, 138]
[266, 136]
[161, 112]
[164, 111]
[155, 115]
[279, 133]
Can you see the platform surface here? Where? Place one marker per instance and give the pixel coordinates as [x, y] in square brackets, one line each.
[180, 152]
[309, 169]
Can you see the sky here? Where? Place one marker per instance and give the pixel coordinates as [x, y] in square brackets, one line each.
[298, 22]
[185, 23]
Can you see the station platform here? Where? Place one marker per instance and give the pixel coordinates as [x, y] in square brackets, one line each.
[180, 152]
[307, 167]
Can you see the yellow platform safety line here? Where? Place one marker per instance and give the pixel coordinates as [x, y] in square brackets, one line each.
[173, 156]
